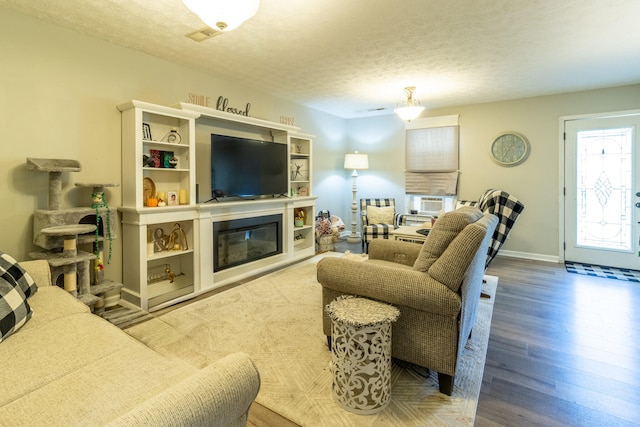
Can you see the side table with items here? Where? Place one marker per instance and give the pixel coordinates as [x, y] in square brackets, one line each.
[361, 353]
[412, 233]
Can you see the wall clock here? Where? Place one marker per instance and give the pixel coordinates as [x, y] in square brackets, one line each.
[510, 149]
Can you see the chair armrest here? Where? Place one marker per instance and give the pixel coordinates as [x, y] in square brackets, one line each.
[396, 251]
[396, 286]
[39, 271]
[217, 395]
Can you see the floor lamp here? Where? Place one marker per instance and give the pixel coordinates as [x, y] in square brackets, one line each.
[355, 161]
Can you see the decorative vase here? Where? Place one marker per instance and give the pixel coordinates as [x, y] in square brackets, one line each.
[173, 137]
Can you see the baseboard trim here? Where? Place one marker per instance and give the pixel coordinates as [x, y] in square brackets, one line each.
[529, 255]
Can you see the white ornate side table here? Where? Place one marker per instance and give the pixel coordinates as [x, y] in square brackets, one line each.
[361, 347]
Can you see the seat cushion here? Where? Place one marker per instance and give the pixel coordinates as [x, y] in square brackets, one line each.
[51, 303]
[445, 229]
[375, 231]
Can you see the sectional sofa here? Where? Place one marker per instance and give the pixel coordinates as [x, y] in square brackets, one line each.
[66, 366]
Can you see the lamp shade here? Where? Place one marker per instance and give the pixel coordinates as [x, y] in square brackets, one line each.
[409, 109]
[356, 161]
[409, 113]
[223, 15]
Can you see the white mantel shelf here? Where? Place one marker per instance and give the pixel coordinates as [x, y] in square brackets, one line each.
[258, 202]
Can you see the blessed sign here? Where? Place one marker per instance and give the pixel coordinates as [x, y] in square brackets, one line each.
[222, 104]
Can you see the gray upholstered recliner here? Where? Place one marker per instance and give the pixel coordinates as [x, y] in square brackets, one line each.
[436, 286]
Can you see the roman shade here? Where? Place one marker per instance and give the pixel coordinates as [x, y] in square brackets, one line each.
[431, 156]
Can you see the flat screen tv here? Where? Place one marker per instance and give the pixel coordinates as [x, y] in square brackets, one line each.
[247, 168]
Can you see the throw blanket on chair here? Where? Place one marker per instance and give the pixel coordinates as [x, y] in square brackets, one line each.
[503, 205]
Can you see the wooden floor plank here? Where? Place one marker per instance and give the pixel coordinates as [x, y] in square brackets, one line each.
[563, 349]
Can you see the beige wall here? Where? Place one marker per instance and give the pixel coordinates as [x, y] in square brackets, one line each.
[58, 97]
[536, 182]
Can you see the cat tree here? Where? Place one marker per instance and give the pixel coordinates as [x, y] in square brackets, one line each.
[60, 231]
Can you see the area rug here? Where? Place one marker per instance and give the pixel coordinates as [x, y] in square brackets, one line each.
[277, 320]
[603, 271]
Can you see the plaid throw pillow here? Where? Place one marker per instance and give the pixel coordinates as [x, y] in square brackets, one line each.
[14, 308]
[11, 271]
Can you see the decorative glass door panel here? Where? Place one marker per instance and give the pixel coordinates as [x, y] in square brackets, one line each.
[604, 188]
[601, 225]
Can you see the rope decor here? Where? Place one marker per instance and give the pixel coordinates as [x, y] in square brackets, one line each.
[99, 202]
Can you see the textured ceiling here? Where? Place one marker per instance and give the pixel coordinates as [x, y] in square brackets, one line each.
[352, 58]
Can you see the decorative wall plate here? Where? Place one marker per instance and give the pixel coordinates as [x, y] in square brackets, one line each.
[510, 149]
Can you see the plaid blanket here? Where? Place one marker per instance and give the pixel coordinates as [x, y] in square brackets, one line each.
[503, 205]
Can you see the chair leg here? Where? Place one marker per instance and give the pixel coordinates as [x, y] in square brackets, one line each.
[445, 383]
[329, 341]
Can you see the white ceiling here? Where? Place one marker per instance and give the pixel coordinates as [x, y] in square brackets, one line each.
[352, 57]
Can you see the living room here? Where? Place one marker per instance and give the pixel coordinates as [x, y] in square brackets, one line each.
[61, 89]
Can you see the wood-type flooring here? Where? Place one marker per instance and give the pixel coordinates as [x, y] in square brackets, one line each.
[564, 349]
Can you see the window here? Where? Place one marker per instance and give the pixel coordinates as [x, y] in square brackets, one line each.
[431, 156]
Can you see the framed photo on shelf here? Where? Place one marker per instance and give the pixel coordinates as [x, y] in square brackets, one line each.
[172, 198]
[146, 132]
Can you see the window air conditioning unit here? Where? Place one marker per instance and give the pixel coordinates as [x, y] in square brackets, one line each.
[431, 205]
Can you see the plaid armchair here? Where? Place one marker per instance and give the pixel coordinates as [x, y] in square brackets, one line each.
[503, 205]
[376, 230]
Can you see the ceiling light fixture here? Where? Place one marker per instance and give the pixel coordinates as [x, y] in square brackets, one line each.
[409, 109]
[223, 15]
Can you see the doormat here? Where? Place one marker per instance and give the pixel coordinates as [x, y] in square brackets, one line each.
[602, 271]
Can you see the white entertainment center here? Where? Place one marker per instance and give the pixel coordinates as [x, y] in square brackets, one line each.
[156, 275]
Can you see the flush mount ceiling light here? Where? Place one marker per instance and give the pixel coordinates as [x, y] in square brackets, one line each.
[223, 15]
[409, 109]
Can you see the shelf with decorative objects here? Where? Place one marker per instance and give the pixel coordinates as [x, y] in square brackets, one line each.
[158, 204]
[300, 164]
[303, 226]
[162, 245]
[158, 155]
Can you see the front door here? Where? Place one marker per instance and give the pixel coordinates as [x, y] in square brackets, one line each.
[602, 191]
